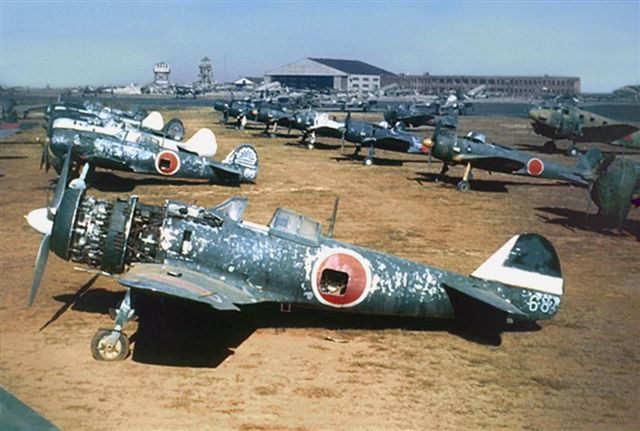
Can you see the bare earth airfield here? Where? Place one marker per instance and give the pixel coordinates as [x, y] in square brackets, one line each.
[194, 368]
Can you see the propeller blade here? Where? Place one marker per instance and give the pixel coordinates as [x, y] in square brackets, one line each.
[42, 156]
[62, 182]
[38, 272]
[47, 164]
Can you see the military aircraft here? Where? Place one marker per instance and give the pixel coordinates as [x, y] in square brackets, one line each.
[97, 145]
[577, 125]
[372, 136]
[96, 115]
[270, 114]
[313, 124]
[473, 151]
[629, 141]
[412, 115]
[237, 109]
[614, 185]
[213, 256]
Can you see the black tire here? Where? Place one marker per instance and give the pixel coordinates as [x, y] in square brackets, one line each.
[119, 352]
[572, 152]
[368, 161]
[464, 186]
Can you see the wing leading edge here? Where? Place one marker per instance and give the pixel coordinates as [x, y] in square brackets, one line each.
[184, 283]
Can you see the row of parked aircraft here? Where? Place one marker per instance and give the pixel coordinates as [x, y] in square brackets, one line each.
[213, 256]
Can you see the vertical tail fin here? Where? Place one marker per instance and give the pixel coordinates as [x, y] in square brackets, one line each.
[244, 158]
[528, 261]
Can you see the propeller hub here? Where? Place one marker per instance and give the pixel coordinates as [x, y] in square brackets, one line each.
[39, 221]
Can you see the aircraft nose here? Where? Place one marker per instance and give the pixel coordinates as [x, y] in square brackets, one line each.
[534, 114]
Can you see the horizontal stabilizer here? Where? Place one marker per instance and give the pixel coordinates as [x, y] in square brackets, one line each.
[184, 283]
[153, 121]
[475, 291]
[202, 143]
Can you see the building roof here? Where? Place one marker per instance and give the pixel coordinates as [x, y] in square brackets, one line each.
[352, 67]
[327, 67]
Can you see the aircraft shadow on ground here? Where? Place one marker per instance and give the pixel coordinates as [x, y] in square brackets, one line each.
[379, 161]
[492, 186]
[317, 146]
[177, 332]
[572, 219]
[12, 157]
[110, 182]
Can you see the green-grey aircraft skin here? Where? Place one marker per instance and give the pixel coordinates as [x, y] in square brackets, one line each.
[474, 152]
[212, 255]
[576, 125]
[629, 141]
[615, 186]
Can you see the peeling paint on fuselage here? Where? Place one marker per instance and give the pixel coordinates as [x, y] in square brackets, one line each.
[119, 153]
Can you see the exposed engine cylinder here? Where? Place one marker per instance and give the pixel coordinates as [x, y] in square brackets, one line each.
[105, 234]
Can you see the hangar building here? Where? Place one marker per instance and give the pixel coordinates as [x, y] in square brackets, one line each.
[329, 73]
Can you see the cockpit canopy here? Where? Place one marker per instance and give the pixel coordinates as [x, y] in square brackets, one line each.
[291, 225]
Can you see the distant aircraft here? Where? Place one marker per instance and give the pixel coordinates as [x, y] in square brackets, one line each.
[373, 136]
[577, 125]
[313, 124]
[270, 114]
[94, 145]
[213, 256]
[412, 115]
[473, 151]
[113, 119]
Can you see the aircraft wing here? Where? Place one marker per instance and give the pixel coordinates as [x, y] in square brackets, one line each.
[181, 282]
[468, 289]
[608, 133]
[490, 163]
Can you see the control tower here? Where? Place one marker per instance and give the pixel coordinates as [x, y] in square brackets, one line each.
[205, 76]
[161, 73]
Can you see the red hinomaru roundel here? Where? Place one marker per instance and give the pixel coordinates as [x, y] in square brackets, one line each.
[535, 167]
[167, 162]
[340, 278]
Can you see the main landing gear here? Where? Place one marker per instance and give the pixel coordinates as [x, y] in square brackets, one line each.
[113, 344]
[463, 185]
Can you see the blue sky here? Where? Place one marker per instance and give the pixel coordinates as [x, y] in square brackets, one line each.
[66, 43]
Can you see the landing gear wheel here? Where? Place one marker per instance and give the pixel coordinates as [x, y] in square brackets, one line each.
[310, 146]
[368, 161]
[549, 147]
[572, 152]
[99, 349]
[464, 186]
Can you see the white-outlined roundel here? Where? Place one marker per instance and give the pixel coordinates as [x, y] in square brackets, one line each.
[535, 167]
[340, 278]
[167, 162]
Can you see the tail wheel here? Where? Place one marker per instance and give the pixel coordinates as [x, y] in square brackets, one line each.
[102, 352]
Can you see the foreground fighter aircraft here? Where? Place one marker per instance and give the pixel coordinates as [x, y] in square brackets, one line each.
[212, 255]
[577, 125]
[474, 152]
[96, 145]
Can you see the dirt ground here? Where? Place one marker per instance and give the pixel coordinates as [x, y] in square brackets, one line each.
[193, 368]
